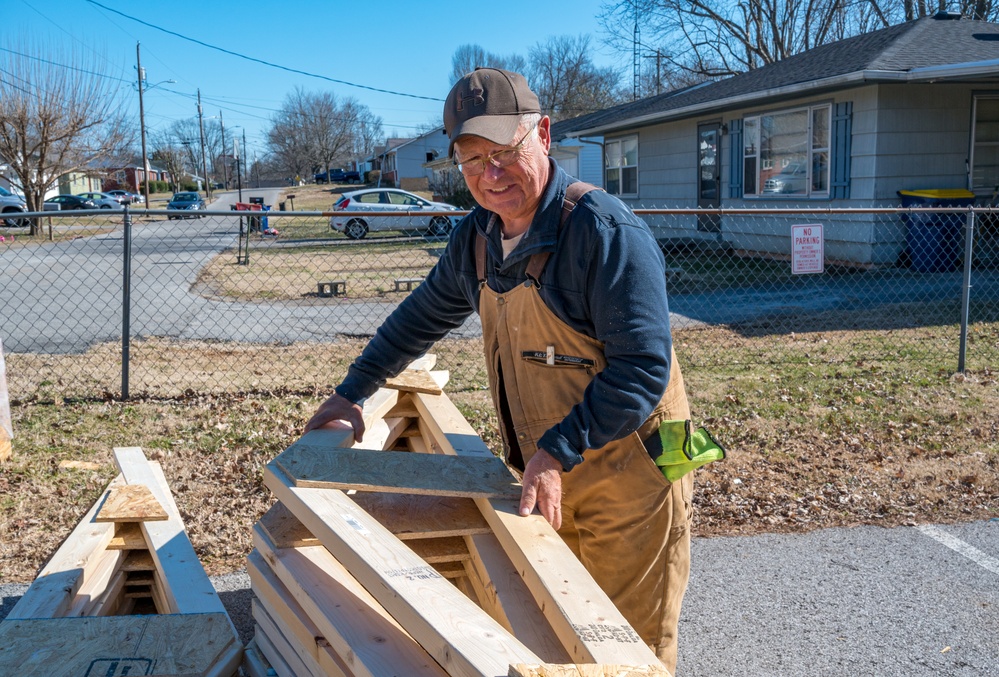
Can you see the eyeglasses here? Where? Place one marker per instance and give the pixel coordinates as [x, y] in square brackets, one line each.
[501, 158]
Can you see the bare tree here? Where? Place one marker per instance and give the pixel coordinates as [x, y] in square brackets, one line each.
[467, 58]
[717, 38]
[169, 154]
[316, 129]
[567, 82]
[57, 118]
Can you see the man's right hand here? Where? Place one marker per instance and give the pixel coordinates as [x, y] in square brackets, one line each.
[334, 413]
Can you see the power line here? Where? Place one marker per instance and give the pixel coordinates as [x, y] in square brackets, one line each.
[261, 61]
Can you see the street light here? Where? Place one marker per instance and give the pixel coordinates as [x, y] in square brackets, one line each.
[142, 120]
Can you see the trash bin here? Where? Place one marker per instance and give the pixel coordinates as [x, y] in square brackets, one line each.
[281, 206]
[934, 241]
[256, 200]
[252, 220]
[263, 219]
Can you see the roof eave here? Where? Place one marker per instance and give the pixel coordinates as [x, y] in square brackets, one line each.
[925, 74]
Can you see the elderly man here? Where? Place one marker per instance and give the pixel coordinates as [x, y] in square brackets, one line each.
[570, 287]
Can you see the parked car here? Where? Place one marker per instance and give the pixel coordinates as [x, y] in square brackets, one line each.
[103, 200]
[126, 196]
[390, 200]
[792, 179]
[10, 205]
[187, 201]
[338, 176]
[68, 202]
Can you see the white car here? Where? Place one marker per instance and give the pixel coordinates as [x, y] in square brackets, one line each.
[103, 200]
[391, 200]
[125, 196]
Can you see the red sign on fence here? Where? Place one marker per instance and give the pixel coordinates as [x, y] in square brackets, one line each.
[807, 249]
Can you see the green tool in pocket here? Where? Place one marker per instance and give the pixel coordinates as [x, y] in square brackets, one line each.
[685, 448]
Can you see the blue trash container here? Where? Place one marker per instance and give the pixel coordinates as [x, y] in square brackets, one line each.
[934, 242]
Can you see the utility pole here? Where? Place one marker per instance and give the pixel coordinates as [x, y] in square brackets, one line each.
[225, 173]
[245, 157]
[239, 174]
[142, 125]
[204, 158]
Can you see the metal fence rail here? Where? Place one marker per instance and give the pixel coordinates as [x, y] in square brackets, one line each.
[111, 306]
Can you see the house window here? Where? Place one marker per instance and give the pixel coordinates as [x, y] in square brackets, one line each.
[621, 160]
[787, 153]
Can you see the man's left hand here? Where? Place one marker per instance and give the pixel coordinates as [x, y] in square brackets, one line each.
[543, 488]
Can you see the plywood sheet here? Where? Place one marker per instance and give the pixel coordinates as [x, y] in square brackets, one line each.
[176, 645]
[410, 517]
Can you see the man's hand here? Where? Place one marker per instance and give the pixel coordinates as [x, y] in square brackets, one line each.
[338, 408]
[543, 487]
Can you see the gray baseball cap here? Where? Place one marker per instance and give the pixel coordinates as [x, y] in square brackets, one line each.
[488, 102]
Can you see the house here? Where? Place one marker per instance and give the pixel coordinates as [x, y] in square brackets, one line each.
[581, 157]
[129, 176]
[402, 163]
[74, 183]
[848, 124]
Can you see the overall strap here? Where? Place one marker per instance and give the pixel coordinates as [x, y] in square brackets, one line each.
[573, 194]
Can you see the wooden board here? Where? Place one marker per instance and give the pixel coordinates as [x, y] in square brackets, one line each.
[53, 590]
[131, 503]
[177, 645]
[462, 638]
[397, 471]
[586, 670]
[587, 623]
[414, 381]
[128, 536]
[370, 642]
[183, 583]
[411, 517]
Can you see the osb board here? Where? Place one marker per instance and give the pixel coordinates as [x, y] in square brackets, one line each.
[131, 503]
[186, 645]
[414, 381]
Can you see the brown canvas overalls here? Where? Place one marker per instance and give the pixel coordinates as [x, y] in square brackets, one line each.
[625, 522]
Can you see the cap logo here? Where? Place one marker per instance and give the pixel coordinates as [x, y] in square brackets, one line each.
[475, 97]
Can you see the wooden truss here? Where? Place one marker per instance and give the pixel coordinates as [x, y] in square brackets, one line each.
[124, 594]
[380, 561]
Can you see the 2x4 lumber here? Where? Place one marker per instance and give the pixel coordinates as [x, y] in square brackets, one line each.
[96, 584]
[360, 631]
[318, 467]
[131, 503]
[277, 662]
[128, 536]
[184, 584]
[54, 589]
[181, 645]
[440, 550]
[462, 638]
[586, 670]
[587, 623]
[138, 560]
[382, 434]
[301, 664]
[254, 663]
[506, 597]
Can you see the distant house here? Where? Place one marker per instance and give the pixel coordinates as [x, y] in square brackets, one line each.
[581, 157]
[848, 124]
[73, 183]
[402, 164]
[130, 176]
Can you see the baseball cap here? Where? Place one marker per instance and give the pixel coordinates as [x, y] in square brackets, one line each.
[488, 102]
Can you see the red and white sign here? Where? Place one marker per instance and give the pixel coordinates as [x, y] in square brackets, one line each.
[807, 249]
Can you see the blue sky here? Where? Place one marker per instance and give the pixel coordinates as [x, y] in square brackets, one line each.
[403, 47]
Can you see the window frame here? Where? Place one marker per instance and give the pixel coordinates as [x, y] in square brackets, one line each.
[620, 141]
[754, 165]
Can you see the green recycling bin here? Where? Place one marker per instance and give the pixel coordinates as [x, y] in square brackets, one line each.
[935, 241]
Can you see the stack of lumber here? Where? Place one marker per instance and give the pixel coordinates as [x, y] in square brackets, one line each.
[124, 594]
[406, 555]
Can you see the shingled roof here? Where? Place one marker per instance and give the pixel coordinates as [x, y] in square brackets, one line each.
[917, 50]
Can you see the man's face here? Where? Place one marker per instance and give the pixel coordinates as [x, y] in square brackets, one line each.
[514, 191]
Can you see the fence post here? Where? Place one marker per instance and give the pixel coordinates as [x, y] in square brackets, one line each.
[969, 249]
[126, 299]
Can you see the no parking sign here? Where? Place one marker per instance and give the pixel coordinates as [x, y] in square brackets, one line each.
[807, 249]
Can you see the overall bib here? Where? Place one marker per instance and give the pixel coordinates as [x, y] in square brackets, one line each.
[626, 523]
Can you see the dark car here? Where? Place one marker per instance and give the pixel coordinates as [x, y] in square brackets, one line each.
[67, 202]
[188, 202]
[338, 176]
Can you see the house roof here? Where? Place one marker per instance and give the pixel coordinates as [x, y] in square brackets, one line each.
[927, 49]
[406, 142]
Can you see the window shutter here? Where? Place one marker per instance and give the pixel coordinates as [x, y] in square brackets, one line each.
[842, 135]
[735, 158]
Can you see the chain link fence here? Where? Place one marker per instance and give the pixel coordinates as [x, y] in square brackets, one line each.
[116, 306]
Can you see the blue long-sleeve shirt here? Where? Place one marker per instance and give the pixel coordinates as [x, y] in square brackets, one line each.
[605, 278]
